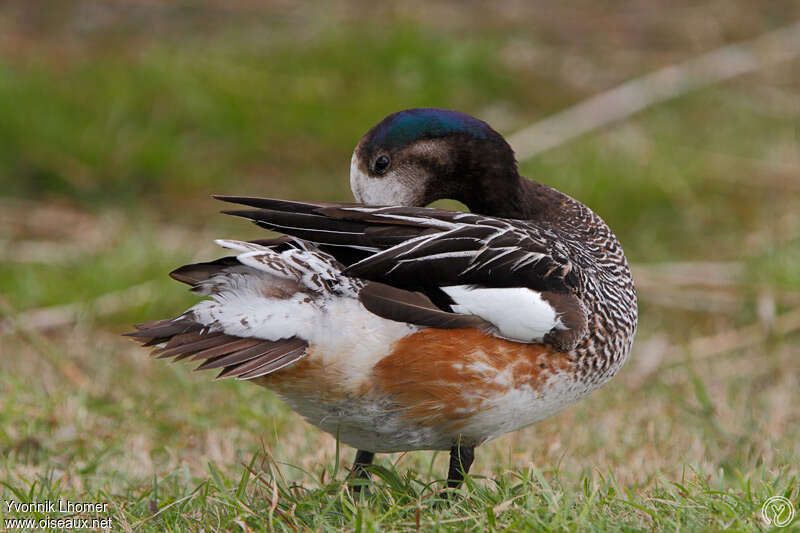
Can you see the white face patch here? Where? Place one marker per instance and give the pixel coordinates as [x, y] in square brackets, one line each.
[389, 189]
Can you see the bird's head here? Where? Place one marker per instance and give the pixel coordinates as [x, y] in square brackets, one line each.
[418, 156]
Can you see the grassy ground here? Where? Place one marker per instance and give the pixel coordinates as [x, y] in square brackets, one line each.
[117, 122]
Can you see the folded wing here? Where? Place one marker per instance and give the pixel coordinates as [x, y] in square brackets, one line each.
[514, 276]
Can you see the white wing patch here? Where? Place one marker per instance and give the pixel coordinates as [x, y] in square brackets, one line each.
[519, 314]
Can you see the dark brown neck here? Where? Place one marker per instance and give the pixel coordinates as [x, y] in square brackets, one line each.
[516, 197]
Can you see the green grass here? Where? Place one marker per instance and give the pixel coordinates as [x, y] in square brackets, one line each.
[107, 128]
[111, 141]
[529, 499]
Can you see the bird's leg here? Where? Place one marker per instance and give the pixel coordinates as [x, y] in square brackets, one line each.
[461, 457]
[363, 459]
[359, 471]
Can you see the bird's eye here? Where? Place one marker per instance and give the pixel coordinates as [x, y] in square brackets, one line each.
[381, 164]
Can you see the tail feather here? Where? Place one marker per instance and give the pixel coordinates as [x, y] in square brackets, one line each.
[161, 328]
[262, 306]
[261, 352]
[243, 358]
[193, 344]
[197, 273]
[258, 367]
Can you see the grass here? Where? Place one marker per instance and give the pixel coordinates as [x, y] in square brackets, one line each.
[525, 500]
[112, 138]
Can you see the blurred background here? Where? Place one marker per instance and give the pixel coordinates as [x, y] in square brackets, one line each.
[119, 119]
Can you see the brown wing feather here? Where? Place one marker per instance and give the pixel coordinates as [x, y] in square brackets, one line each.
[415, 308]
[244, 358]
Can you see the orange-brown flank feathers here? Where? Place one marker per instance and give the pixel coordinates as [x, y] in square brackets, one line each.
[446, 376]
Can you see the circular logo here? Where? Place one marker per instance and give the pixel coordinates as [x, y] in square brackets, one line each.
[778, 511]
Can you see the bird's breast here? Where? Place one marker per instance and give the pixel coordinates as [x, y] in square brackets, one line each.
[429, 389]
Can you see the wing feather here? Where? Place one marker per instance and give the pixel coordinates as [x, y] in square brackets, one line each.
[511, 252]
[420, 251]
[415, 308]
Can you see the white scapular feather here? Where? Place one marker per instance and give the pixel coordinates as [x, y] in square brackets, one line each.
[518, 313]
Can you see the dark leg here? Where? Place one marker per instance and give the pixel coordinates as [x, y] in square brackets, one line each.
[461, 457]
[363, 459]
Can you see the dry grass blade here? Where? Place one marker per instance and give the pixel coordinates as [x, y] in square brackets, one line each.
[664, 84]
[701, 348]
[701, 273]
[705, 347]
[506, 505]
[178, 501]
[63, 315]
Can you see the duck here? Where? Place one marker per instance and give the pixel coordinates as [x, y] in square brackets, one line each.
[396, 327]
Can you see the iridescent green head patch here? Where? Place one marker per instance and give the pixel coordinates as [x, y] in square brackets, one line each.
[411, 125]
